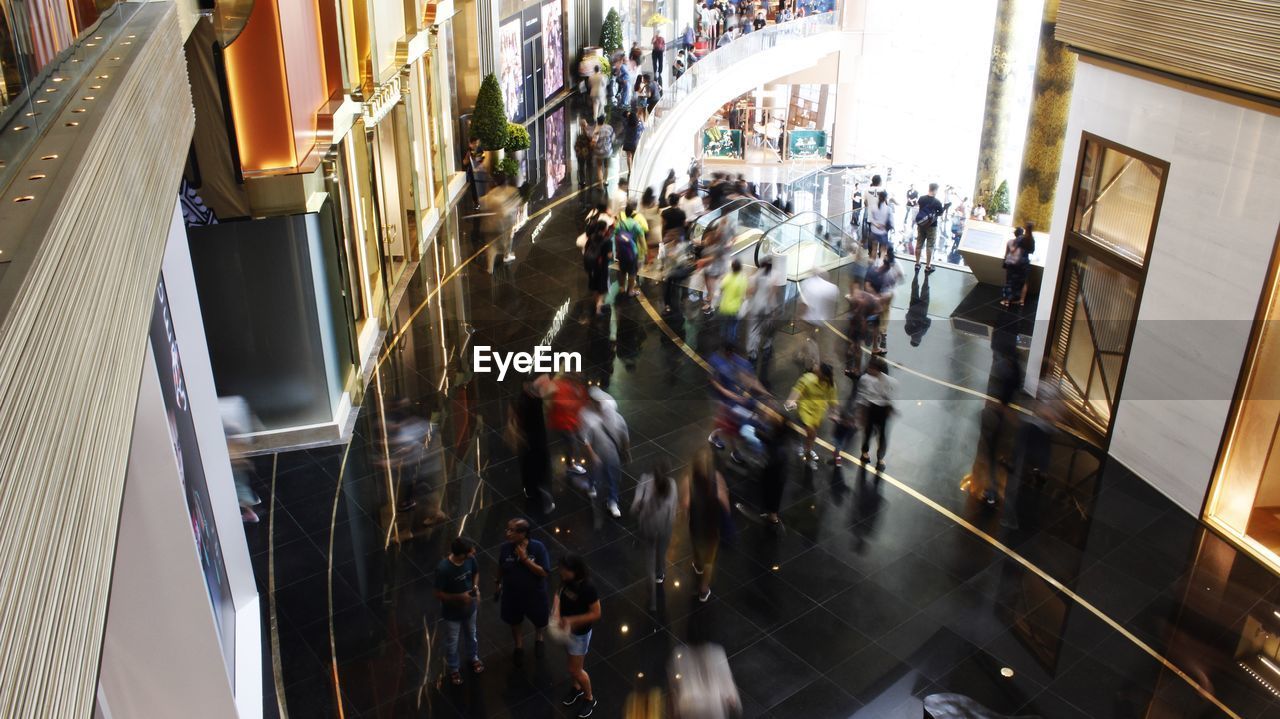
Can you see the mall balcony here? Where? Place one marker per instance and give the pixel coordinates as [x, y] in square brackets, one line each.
[275, 425]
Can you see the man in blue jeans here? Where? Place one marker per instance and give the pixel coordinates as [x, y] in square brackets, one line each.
[458, 589]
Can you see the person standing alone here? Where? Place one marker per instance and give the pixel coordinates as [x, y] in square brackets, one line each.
[659, 45]
[523, 566]
[928, 216]
[457, 586]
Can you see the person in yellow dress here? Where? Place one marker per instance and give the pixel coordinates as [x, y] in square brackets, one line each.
[814, 398]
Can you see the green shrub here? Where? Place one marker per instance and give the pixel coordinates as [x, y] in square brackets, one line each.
[489, 123]
[999, 201]
[510, 167]
[517, 138]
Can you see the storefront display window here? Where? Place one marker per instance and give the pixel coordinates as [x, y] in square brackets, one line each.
[555, 151]
[1244, 501]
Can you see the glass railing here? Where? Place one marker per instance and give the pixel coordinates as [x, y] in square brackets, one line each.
[33, 93]
[810, 242]
[723, 59]
[743, 213]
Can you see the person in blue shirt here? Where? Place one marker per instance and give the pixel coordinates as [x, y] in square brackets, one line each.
[458, 589]
[523, 566]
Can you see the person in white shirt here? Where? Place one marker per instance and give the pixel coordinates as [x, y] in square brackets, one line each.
[691, 204]
[608, 445]
[876, 391]
[618, 198]
[819, 296]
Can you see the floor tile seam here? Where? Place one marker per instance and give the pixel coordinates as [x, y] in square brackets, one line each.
[985, 536]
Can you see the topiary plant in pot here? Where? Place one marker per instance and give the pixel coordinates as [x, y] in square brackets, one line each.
[489, 122]
[517, 138]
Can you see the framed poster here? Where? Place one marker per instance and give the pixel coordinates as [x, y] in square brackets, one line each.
[552, 49]
[555, 149]
[721, 142]
[182, 432]
[511, 68]
[806, 143]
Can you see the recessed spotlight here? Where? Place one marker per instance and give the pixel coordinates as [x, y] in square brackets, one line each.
[39, 176]
[104, 77]
[30, 114]
[97, 37]
[49, 157]
[51, 89]
[95, 87]
[59, 79]
[73, 124]
[42, 102]
[24, 198]
[77, 110]
[19, 128]
[1006, 672]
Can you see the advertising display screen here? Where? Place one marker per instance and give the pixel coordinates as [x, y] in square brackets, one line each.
[555, 149]
[552, 49]
[511, 68]
[182, 431]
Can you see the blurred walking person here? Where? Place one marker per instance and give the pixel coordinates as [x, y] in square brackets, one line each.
[654, 508]
[876, 392]
[527, 434]
[814, 399]
[706, 503]
[567, 398]
[608, 444]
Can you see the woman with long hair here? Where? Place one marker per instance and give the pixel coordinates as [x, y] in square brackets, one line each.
[631, 132]
[576, 611]
[655, 511]
[814, 398]
[1017, 263]
[706, 502]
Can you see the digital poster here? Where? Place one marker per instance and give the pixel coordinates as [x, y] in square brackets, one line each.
[552, 49]
[511, 62]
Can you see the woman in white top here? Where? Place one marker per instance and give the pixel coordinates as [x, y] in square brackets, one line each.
[876, 390]
[880, 218]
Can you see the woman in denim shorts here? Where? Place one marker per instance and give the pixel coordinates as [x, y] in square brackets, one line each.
[577, 609]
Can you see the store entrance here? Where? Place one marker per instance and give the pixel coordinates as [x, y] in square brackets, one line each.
[1244, 501]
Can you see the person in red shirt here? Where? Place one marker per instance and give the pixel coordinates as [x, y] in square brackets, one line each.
[567, 395]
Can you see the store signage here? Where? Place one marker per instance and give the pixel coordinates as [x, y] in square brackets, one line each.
[806, 143]
[382, 101]
[722, 142]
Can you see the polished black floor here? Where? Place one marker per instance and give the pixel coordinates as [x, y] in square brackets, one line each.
[873, 597]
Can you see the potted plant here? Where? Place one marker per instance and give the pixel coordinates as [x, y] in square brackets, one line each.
[510, 168]
[611, 43]
[517, 142]
[999, 209]
[489, 122]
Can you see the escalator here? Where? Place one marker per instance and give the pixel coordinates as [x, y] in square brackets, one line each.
[803, 244]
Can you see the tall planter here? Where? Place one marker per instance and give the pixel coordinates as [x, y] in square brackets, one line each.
[489, 122]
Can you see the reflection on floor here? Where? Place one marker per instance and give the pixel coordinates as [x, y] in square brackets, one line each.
[865, 604]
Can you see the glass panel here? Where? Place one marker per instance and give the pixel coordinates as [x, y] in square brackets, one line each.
[1100, 304]
[1116, 204]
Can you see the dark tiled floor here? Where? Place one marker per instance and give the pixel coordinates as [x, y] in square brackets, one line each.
[867, 602]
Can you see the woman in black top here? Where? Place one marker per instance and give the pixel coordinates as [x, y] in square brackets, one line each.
[596, 258]
[529, 439]
[577, 609]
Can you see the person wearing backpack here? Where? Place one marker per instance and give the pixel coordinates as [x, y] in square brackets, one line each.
[928, 214]
[654, 508]
[628, 232]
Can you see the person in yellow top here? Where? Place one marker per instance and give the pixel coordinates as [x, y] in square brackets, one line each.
[733, 292]
[814, 398]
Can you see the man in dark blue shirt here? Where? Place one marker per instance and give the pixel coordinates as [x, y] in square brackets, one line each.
[523, 565]
[928, 216]
[458, 589]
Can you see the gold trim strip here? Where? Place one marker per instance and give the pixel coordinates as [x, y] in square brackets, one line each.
[277, 669]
